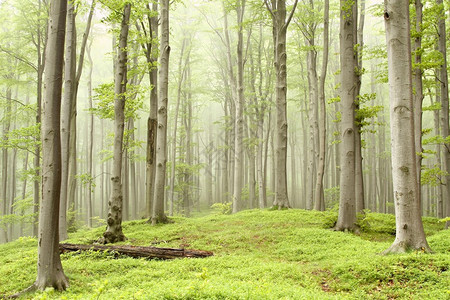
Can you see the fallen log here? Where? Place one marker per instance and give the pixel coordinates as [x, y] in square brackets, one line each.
[138, 251]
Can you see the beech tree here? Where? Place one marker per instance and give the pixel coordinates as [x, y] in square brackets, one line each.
[239, 114]
[443, 79]
[72, 78]
[147, 26]
[348, 58]
[409, 228]
[277, 9]
[158, 214]
[49, 269]
[113, 231]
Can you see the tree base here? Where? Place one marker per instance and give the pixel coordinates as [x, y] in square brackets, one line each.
[402, 247]
[280, 207]
[354, 229]
[159, 220]
[111, 238]
[60, 283]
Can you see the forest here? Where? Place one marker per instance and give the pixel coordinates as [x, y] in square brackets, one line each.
[293, 142]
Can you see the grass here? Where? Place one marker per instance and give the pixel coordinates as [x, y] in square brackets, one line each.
[286, 254]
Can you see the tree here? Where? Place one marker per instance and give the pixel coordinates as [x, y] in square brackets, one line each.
[279, 26]
[443, 78]
[348, 57]
[158, 214]
[68, 113]
[239, 117]
[113, 231]
[50, 272]
[149, 35]
[409, 228]
[319, 202]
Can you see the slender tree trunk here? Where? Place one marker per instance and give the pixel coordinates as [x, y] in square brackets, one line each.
[40, 49]
[418, 95]
[158, 214]
[280, 24]
[239, 120]
[113, 231]
[440, 188]
[187, 174]
[294, 188]
[133, 193]
[6, 127]
[409, 227]
[152, 123]
[49, 268]
[91, 141]
[181, 75]
[72, 171]
[69, 78]
[319, 203]
[359, 177]
[348, 58]
[313, 122]
[125, 180]
[445, 107]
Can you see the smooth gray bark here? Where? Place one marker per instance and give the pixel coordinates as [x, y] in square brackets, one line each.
[319, 201]
[409, 228]
[113, 231]
[348, 58]
[49, 268]
[69, 80]
[158, 214]
[280, 24]
[239, 119]
[418, 94]
[445, 108]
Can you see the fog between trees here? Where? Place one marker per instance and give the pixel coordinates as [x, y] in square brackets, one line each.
[224, 115]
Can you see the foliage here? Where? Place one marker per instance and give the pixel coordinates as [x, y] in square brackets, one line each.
[222, 208]
[332, 196]
[104, 99]
[433, 176]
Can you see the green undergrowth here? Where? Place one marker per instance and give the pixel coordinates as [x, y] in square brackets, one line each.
[289, 254]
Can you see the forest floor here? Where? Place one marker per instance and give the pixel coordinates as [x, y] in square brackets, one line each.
[290, 254]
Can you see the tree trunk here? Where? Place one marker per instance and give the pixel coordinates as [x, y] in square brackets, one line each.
[113, 231]
[445, 108]
[69, 78]
[418, 96]
[409, 227]
[158, 214]
[6, 127]
[187, 173]
[319, 203]
[72, 169]
[239, 119]
[181, 76]
[152, 123]
[348, 58]
[359, 176]
[90, 214]
[50, 272]
[280, 24]
[313, 122]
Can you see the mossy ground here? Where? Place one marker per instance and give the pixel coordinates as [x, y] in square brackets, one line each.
[288, 254]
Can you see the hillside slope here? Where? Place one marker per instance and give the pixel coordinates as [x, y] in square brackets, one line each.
[257, 255]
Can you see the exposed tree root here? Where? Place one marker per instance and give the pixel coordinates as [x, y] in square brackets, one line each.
[29, 289]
